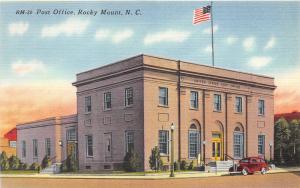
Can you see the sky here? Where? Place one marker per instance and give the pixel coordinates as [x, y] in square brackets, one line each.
[40, 54]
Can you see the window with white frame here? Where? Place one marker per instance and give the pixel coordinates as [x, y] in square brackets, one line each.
[261, 107]
[163, 96]
[238, 144]
[88, 104]
[164, 142]
[129, 140]
[89, 145]
[217, 102]
[107, 100]
[128, 96]
[12, 144]
[261, 144]
[238, 104]
[194, 144]
[194, 99]
[71, 134]
[48, 146]
[35, 148]
[23, 148]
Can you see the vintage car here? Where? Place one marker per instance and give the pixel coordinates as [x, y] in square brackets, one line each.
[250, 165]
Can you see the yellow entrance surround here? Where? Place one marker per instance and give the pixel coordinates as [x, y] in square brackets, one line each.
[217, 146]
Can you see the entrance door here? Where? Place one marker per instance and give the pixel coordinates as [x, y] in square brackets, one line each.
[108, 146]
[216, 146]
[71, 149]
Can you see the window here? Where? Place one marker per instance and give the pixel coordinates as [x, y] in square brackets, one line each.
[261, 107]
[238, 104]
[23, 148]
[48, 146]
[238, 145]
[13, 144]
[193, 143]
[71, 134]
[89, 146]
[129, 140]
[128, 96]
[107, 100]
[164, 142]
[194, 99]
[163, 96]
[35, 148]
[217, 102]
[261, 144]
[88, 104]
[87, 122]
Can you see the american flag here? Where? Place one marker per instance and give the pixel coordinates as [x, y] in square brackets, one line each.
[201, 14]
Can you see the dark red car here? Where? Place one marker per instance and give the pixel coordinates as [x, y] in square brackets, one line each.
[251, 165]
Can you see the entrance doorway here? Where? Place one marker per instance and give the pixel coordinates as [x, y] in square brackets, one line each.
[217, 146]
[72, 149]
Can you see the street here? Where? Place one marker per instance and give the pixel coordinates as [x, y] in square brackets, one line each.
[286, 180]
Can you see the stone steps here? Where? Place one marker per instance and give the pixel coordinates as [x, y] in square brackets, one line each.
[53, 169]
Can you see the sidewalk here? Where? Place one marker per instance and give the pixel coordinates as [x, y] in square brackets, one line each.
[195, 174]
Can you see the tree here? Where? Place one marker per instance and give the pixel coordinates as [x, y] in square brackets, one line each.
[14, 162]
[131, 161]
[294, 141]
[4, 164]
[155, 160]
[69, 165]
[281, 138]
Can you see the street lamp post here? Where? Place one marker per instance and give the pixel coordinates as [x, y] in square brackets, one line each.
[172, 150]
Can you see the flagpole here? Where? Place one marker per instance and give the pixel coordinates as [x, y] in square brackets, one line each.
[212, 34]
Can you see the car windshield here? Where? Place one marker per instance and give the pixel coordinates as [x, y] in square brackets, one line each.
[244, 161]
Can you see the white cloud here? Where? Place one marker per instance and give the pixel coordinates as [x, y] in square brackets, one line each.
[70, 27]
[102, 34]
[208, 30]
[21, 67]
[18, 28]
[259, 61]
[271, 43]
[208, 49]
[122, 35]
[166, 36]
[231, 40]
[249, 43]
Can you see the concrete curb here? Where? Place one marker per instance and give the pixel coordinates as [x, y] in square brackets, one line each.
[180, 175]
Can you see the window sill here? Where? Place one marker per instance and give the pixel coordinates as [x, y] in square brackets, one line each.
[195, 109]
[128, 106]
[163, 106]
[164, 155]
[87, 113]
[218, 111]
[261, 115]
[238, 113]
[89, 157]
[105, 110]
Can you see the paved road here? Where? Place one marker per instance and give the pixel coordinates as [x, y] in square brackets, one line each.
[285, 180]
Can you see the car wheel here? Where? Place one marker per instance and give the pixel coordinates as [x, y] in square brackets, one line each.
[263, 171]
[245, 172]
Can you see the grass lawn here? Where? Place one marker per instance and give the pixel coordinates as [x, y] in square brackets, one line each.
[124, 173]
[18, 172]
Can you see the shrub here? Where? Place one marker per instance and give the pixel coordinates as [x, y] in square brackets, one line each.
[131, 162]
[14, 162]
[35, 166]
[46, 162]
[4, 164]
[69, 165]
[155, 160]
[191, 166]
[183, 165]
[176, 166]
[23, 166]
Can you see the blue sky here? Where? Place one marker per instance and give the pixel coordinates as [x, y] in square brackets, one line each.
[41, 54]
[244, 29]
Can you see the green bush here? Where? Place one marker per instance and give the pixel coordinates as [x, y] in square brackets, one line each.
[131, 162]
[4, 164]
[176, 166]
[155, 160]
[69, 165]
[14, 162]
[191, 166]
[35, 166]
[46, 162]
[183, 165]
[23, 166]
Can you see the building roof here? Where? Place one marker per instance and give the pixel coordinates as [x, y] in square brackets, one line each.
[11, 135]
[288, 116]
